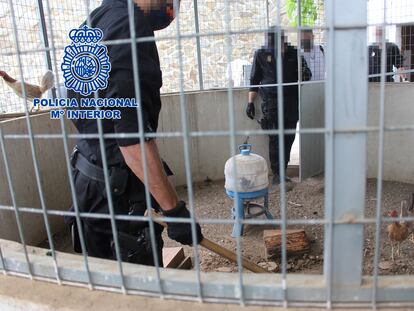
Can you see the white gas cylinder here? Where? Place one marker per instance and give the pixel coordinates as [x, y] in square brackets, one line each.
[252, 171]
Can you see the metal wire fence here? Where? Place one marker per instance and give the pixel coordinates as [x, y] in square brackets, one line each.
[29, 29]
[345, 29]
[34, 37]
[205, 69]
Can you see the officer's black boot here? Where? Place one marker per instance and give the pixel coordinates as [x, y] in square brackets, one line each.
[275, 179]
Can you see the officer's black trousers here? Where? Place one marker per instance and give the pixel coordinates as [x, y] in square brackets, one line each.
[91, 198]
[274, 149]
[289, 122]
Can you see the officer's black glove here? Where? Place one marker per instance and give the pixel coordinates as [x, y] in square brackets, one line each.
[411, 204]
[181, 232]
[250, 111]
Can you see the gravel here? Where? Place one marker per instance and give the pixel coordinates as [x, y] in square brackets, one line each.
[304, 201]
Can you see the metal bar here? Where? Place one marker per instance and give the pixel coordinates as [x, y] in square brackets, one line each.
[3, 264]
[210, 34]
[45, 39]
[66, 150]
[199, 59]
[299, 60]
[32, 146]
[232, 136]
[211, 220]
[285, 83]
[107, 184]
[111, 206]
[350, 91]
[281, 146]
[329, 152]
[267, 14]
[380, 167]
[108, 191]
[187, 158]
[14, 202]
[369, 129]
[140, 129]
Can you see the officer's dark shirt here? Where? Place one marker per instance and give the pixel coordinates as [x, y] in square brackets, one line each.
[393, 58]
[264, 71]
[112, 18]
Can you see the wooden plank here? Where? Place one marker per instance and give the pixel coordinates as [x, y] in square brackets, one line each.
[296, 242]
[172, 256]
[187, 264]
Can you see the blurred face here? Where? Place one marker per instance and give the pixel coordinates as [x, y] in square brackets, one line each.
[160, 12]
[307, 41]
[153, 5]
[378, 34]
[270, 40]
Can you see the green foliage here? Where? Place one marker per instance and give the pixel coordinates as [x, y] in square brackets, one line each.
[308, 12]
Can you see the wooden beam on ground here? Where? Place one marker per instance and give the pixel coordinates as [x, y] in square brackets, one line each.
[296, 243]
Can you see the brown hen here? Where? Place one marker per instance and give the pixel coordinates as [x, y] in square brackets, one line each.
[399, 231]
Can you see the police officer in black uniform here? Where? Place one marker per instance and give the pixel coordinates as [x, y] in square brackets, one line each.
[393, 58]
[124, 154]
[264, 71]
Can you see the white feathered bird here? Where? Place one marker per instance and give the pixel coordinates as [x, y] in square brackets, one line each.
[32, 91]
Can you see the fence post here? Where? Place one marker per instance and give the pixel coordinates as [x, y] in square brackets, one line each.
[345, 167]
[45, 39]
[199, 60]
[267, 14]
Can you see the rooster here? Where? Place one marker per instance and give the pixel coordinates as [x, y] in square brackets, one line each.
[32, 91]
[411, 211]
[399, 231]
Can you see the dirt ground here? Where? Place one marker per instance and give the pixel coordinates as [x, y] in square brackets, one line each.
[304, 201]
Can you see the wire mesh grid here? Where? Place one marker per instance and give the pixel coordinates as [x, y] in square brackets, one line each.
[29, 29]
[64, 16]
[233, 42]
[30, 21]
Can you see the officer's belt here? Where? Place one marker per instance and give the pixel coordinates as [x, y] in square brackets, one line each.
[88, 169]
[96, 172]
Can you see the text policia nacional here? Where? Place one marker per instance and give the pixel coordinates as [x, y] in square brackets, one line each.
[83, 103]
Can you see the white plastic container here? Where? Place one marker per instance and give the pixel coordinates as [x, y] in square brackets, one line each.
[252, 172]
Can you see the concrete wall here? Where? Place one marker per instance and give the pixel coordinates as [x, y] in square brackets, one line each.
[206, 111]
[398, 146]
[312, 115]
[53, 172]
